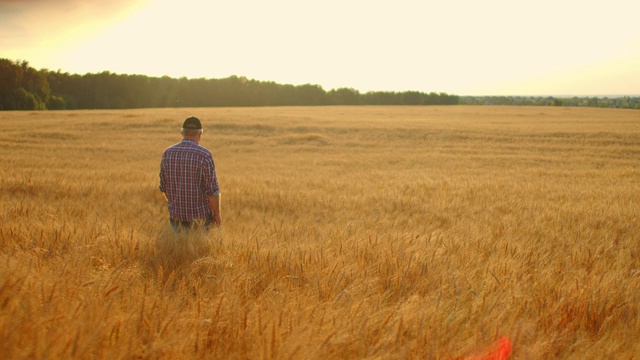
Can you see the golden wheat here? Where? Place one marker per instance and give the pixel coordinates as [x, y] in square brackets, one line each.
[349, 232]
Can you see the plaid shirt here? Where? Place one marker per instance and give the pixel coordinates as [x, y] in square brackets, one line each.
[188, 178]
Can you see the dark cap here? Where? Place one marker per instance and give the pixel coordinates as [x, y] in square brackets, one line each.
[192, 123]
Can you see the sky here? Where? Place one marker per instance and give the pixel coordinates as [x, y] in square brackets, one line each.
[462, 47]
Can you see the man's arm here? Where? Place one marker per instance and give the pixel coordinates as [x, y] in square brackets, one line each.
[214, 204]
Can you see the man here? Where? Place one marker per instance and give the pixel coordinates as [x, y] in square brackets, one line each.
[188, 180]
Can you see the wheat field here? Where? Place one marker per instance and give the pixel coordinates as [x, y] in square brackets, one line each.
[348, 233]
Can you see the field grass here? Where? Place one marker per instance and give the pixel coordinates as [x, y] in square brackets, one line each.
[348, 232]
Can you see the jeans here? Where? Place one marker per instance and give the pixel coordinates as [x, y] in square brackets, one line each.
[204, 224]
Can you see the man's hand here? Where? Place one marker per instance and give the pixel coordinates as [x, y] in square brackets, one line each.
[214, 204]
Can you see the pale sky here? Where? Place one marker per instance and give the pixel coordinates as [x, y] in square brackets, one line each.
[462, 47]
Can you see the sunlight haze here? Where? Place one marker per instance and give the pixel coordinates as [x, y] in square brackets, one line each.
[460, 47]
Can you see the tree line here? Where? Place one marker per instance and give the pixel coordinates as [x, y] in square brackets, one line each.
[622, 102]
[25, 88]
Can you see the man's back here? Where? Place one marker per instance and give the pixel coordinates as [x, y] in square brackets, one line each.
[188, 178]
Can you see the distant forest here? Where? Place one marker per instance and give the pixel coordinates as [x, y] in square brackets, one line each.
[25, 88]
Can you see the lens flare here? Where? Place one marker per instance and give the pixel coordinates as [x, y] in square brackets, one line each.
[500, 352]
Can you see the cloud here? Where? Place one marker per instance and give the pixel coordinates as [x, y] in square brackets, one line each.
[26, 23]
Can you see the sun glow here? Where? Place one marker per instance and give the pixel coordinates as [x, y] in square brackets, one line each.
[465, 47]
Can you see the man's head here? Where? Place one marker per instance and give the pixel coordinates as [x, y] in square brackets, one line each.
[192, 128]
